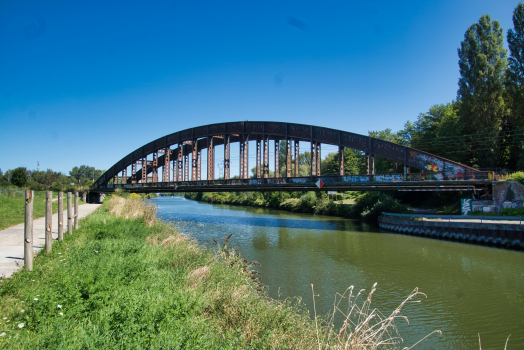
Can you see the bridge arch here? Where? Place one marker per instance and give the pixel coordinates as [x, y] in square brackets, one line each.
[175, 160]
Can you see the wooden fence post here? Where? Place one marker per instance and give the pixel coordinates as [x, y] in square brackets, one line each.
[28, 231]
[69, 214]
[60, 215]
[76, 210]
[48, 220]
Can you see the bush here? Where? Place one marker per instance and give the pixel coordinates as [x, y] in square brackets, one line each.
[291, 204]
[308, 201]
[519, 176]
[324, 207]
[370, 206]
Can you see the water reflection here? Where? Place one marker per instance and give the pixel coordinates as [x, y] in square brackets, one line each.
[471, 289]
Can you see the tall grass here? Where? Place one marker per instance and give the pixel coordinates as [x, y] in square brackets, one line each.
[126, 280]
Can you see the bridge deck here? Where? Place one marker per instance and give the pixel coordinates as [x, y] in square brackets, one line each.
[334, 183]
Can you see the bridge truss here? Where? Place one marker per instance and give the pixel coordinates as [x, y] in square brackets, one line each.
[174, 162]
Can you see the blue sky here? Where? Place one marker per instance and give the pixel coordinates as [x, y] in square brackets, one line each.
[87, 82]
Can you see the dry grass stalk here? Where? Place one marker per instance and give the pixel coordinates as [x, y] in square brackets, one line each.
[133, 208]
[174, 239]
[199, 276]
[363, 327]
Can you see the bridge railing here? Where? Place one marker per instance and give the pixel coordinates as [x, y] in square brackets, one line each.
[327, 179]
[451, 218]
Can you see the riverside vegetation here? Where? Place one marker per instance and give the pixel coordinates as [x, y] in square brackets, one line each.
[126, 280]
[368, 206]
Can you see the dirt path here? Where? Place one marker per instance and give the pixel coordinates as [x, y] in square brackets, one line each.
[12, 239]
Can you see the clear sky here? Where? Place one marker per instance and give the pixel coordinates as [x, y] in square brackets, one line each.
[87, 82]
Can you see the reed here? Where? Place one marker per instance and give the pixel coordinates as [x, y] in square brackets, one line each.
[364, 327]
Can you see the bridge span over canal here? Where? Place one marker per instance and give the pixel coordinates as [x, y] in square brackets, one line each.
[174, 163]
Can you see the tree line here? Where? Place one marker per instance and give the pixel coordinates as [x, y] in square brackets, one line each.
[78, 178]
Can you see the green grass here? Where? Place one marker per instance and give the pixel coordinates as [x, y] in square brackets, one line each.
[124, 280]
[121, 284]
[12, 209]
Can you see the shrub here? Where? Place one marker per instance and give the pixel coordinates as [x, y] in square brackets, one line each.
[371, 205]
[324, 207]
[519, 176]
[308, 201]
[291, 204]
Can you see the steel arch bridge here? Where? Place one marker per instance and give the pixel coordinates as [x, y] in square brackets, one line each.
[179, 159]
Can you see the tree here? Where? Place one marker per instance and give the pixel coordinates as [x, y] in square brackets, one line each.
[85, 172]
[330, 165]
[438, 131]
[482, 62]
[19, 177]
[515, 90]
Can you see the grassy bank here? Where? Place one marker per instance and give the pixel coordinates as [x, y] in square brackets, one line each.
[125, 280]
[12, 207]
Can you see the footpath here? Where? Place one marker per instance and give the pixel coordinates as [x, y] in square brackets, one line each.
[12, 239]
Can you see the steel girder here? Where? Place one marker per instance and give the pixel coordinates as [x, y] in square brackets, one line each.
[264, 131]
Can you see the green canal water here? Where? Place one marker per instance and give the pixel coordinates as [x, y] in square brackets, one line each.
[470, 289]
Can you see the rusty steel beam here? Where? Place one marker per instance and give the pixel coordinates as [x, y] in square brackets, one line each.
[266, 157]
[155, 167]
[210, 159]
[180, 163]
[313, 169]
[278, 131]
[167, 155]
[186, 167]
[194, 160]
[288, 157]
[241, 157]
[259, 159]
[143, 171]
[246, 156]
[226, 156]
[319, 158]
[199, 166]
[297, 158]
[277, 158]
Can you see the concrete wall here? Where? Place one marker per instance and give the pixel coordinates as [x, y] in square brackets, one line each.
[502, 235]
[508, 194]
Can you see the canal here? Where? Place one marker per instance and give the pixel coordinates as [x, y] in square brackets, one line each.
[470, 289]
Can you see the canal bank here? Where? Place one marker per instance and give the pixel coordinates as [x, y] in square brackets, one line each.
[471, 289]
[503, 232]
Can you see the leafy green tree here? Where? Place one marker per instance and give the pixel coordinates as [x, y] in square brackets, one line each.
[19, 177]
[482, 62]
[439, 132]
[330, 165]
[85, 172]
[515, 90]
